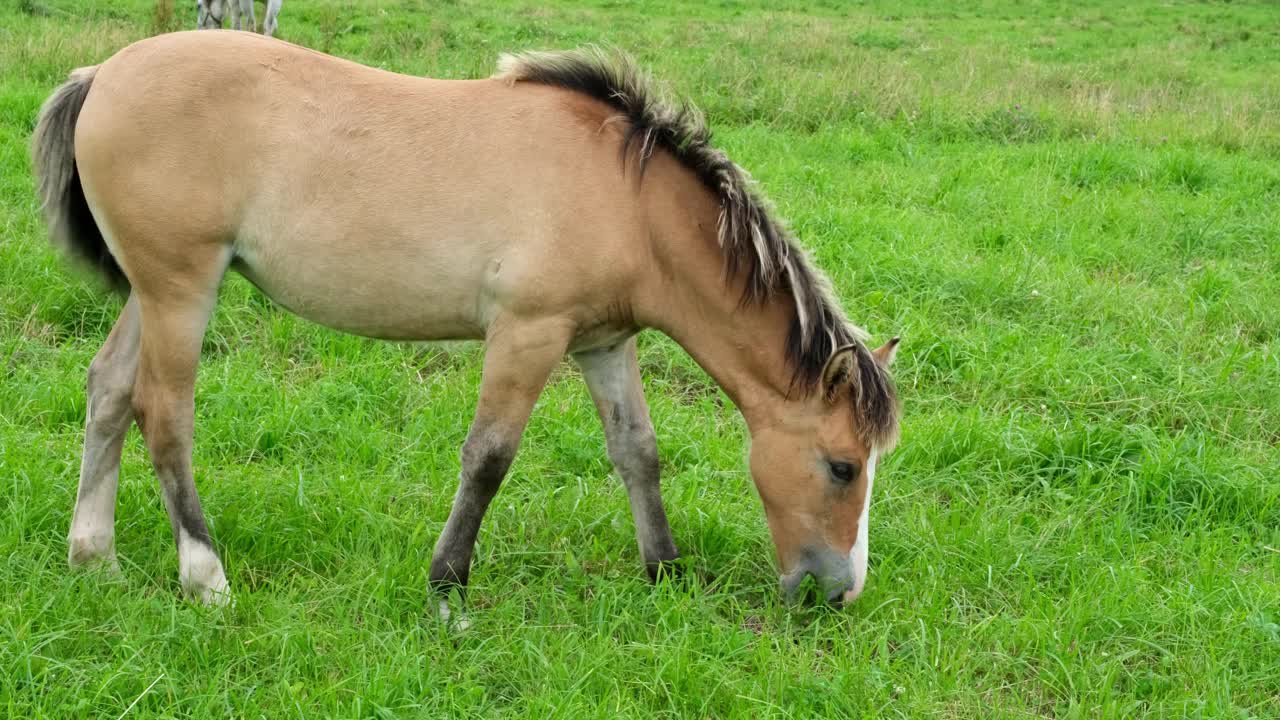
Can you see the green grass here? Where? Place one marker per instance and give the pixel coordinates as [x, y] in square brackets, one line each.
[1071, 213]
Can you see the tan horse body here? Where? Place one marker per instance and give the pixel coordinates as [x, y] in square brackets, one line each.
[511, 210]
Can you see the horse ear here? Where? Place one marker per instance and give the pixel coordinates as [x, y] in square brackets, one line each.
[887, 352]
[838, 371]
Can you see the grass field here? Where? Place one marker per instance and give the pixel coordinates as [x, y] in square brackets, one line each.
[1070, 212]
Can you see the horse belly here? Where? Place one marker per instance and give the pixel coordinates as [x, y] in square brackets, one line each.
[403, 295]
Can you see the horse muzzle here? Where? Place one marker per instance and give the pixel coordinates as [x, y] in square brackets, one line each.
[833, 572]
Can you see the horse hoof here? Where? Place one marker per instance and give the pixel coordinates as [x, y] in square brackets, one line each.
[211, 597]
[93, 554]
[661, 570]
[458, 623]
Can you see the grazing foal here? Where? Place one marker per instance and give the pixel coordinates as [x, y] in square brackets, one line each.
[557, 208]
[209, 14]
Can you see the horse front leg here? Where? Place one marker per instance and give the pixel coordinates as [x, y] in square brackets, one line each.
[613, 377]
[519, 358]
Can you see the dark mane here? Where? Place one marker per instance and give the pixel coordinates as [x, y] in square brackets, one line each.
[757, 246]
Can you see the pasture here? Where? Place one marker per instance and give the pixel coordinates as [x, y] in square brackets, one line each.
[1070, 213]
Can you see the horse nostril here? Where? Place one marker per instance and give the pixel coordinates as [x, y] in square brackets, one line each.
[839, 597]
[843, 596]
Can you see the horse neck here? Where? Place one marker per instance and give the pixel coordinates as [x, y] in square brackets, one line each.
[740, 345]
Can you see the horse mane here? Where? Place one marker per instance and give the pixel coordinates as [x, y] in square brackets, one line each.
[757, 246]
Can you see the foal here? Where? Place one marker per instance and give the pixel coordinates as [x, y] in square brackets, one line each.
[209, 14]
[557, 208]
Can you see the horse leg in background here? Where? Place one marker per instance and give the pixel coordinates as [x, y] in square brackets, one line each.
[269, 22]
[209, 14]
[613, 377]
[239, 9]
[518, 359]
[109, 414]
[173, 325]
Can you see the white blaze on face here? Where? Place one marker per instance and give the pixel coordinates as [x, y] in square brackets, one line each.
[858, 555]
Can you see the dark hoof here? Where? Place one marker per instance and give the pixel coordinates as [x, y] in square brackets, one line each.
[448, 584]
[672, 569]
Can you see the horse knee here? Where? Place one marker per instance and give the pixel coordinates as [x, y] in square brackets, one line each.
[164, 429]
[109, 398]
[486, 457]
[635, 454]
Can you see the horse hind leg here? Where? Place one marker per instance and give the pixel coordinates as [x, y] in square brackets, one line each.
[613, 377]
[173, 325]
[109, 415]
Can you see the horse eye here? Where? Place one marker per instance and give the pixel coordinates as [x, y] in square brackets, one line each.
[843, 472]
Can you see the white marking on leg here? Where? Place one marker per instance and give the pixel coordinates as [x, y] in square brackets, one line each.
[91, 539]
[859, 552]
[200, 571]
[446, 615]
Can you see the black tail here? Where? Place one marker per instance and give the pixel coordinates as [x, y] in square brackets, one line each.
[53, 156]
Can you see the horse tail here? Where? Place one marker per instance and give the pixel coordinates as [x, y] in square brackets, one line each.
[72, 228]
